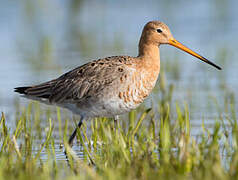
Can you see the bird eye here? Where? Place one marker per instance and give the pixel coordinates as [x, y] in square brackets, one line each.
[159, 30]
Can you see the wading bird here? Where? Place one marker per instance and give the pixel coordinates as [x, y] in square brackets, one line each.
[110, 86]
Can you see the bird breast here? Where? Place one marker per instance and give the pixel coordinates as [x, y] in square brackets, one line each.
[131, 84]
[133, 87]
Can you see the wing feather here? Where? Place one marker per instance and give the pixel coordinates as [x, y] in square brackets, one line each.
[80, 82]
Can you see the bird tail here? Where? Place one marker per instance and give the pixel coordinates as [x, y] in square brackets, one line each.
[38, 91]
[21, 90]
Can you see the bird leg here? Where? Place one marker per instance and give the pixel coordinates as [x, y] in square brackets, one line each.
[116, 119]
[75, 132]
[73, 136]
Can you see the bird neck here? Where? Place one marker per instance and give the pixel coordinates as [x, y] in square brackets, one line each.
[149, 64]
[149, 53]
[149, 50]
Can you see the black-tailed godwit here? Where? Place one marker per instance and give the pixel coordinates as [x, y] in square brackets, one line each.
[113, 85]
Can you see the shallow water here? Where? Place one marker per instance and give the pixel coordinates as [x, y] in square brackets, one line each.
[41, 40]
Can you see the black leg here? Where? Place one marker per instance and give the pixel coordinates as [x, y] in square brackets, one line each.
[116, 118]
[75, 132]
[73, 136]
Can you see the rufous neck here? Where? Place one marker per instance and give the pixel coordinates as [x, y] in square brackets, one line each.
[148, 50]
[147, 47]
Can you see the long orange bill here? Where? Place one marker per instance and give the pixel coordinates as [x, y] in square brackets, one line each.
[179, 45]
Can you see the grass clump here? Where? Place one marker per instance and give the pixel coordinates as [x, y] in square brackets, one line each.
[145, 147]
